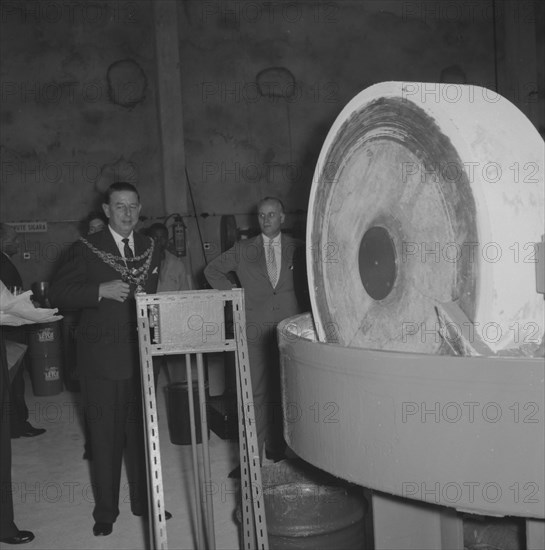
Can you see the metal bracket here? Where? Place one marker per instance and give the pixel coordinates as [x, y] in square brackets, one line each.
[194, 322]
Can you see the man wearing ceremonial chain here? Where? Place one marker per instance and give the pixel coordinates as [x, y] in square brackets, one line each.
[101, 274]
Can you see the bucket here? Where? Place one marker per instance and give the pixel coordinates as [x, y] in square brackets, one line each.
[307, 509]
[45, 353]
[179, 425]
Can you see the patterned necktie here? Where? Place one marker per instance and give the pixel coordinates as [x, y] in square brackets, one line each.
[127, 250]
[271, 264]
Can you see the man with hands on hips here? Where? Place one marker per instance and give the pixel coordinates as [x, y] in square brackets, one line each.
[100, 276]
[271, 269]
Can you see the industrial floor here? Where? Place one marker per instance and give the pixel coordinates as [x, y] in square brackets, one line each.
[53, 497]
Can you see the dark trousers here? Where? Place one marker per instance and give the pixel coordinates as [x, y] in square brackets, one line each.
[18, 406]
[7, 525]
[18, 410]
[264, 360]
[113, 410]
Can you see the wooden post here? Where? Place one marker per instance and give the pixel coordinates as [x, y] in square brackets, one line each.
[169, 98]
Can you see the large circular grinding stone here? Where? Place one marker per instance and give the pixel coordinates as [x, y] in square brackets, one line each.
[426, 194]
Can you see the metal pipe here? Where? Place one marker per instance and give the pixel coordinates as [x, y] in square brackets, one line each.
[196, 476]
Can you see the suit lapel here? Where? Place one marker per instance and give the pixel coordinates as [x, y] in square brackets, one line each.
[139, 244]
[262, 256]
[286, 261]
[106, 242]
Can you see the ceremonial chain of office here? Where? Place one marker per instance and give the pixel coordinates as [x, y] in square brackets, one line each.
[132, 275]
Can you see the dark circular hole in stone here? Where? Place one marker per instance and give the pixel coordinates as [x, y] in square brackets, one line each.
[377, 262]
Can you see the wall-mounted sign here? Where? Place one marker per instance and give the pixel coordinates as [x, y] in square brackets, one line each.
[29, 227]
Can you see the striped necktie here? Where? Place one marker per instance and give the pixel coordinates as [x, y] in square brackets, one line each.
[127, 250]
[271, 264]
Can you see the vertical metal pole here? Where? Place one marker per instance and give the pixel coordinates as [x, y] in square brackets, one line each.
[196, 473]
[253, 510]
[247, 511]
[206, 455]
[158, 533]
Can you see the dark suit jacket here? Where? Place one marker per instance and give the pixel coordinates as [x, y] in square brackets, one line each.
[8, 272]
[11, 277]
[107, 338]
[265, 306]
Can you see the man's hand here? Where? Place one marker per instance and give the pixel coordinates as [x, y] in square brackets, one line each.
[114, 290]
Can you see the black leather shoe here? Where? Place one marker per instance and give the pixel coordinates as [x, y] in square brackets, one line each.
[21, 537]
[235, 474]
[102, 529]
[29, 431]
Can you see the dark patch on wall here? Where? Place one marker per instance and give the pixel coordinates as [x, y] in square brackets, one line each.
[276, 82]
[247, 144]
[269, 155]
[127, 83]
[6, 117]
[55, 144]
[94, 116]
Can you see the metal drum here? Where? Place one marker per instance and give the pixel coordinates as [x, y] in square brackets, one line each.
[464, 432]
[307, 509]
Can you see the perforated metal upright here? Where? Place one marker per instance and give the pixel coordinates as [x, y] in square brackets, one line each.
[193, 322]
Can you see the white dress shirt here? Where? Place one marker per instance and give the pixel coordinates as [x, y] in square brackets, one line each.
[119, 241]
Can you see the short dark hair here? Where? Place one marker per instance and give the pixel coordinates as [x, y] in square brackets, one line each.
[86, 222]
[119, 186]
[271, 199]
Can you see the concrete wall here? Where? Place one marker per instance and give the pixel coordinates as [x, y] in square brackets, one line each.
[63, 137]
[74, 119]
[242, 145]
